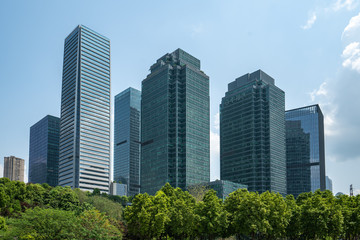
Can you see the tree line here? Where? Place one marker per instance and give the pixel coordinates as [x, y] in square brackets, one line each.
[34, 211]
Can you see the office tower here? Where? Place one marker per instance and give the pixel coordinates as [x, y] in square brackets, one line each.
[44, 151]
[223, 188]
[298, 159]
[127, 139]
[14, 168]
[329, 185]
[175, 128]
[310, 121]
[118, 189]
[252, 133]
[85, 111]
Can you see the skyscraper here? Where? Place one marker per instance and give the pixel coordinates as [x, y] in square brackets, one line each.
[14, 168]
[311, 122]
[85, 111]
[298, 159]
[252, 133]
[175, 127]
[44, 151]
[127, 139]
[329, 184]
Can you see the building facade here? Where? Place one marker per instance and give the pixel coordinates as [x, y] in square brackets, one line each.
[85, 111]
[14, 168]
[127, 139]
[118, 189]
[44, 151]
[306, 121]
[298, 159]
[252, 134]
[175, 123]
[329, 184]
[223, 188]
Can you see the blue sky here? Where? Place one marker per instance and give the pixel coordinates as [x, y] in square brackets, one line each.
[311, 48]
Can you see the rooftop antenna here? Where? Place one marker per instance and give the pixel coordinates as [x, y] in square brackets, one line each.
[351, 190]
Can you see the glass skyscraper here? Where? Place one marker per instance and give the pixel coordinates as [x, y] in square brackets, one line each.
[175, 123]
[127, 139]
[252, 134]
[85, 111]
[44, 151]
[305, 149]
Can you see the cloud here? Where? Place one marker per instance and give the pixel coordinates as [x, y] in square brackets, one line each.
[197, 29]
[214, 156]
[321, 91]
[215, 149]
[340, 4]
[351, 55]
[356, 192]
[353, 25]
[217, 121]
[340, 107]
[1, 170]
[311, 20]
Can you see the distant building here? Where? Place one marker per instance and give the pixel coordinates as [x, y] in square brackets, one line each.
[223, 188]
[175, 123]
[118, 189]
[14, 168]
[298, 159]
[84, 160]
[44, 151]
[329, 184]
[127, 139]
[305, 149]
[252, 134]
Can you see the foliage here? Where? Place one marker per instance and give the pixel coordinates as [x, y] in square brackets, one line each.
[95, 225]
[41, 223]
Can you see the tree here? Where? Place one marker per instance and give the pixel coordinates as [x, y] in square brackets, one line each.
[293, 229]
[63, 198]
[213, 219]
[147, 217]
[41, 223]
[247, 214]
[95, 225]
[181, 213]
[198, 191]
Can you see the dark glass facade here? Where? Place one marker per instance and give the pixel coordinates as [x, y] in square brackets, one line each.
[175, 124]
[252, 134]
[304, 155]
[85, 111]
[298, 159]
[44, 151]
[224, 188]
[127, 139]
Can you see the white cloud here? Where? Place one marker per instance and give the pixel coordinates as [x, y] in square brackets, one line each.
[351, 55]
[322, 91]
[353, 24]
[215, 149]
[356, 192]
[197, 29]
[310, 21]
[217, 121]
[340, 4]
[329, 108]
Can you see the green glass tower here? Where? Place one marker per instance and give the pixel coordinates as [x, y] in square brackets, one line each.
[252, 134]
[175, 124]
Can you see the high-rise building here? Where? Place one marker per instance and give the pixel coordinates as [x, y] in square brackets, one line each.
[127, 139]
[329, 184]
[175, 123]
[14, 168]
[305, 149]
[85, 111]
[252, 134]
[44, 151]
[298, 159]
